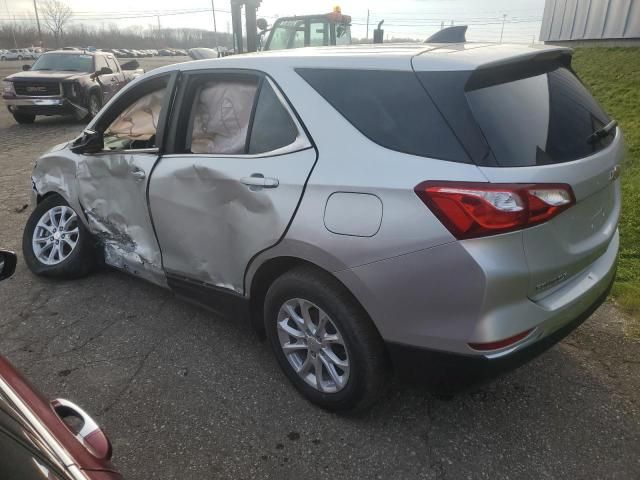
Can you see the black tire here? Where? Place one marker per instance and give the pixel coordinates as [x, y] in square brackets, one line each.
[24, 118]
[80, 261]
[94, 105]
[369, 366]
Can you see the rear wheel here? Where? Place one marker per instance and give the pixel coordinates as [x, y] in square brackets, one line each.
[24, 118]
[56, 243]
[324, 342]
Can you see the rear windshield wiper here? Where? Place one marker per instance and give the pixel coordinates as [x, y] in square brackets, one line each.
[602, 132]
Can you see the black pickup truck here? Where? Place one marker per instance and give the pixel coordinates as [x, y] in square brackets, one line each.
[66, 82]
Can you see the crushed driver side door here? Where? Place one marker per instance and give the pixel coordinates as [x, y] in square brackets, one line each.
[113, 183]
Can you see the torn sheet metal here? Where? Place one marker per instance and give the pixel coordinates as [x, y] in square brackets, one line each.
[114, 202]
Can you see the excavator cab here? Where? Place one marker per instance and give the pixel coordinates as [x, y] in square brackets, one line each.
[308, 31]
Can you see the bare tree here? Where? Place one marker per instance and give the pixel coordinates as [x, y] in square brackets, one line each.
[55, 15]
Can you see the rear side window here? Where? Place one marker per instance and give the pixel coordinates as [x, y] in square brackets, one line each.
[539, 120]
[390, 108]
[272, 127]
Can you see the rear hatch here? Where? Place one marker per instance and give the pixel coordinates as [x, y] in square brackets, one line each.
[529, 120]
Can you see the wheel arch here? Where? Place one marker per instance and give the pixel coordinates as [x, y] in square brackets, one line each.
[272, 269]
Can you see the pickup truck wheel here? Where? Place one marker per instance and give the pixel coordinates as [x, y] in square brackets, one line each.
[56, 243]
[95, 104]
[3, 59]
[24, 118]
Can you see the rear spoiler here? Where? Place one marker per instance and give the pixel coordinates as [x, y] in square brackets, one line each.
[518, 67]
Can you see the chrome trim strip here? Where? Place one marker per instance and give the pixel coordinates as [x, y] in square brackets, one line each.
[51, 441]
[35, 102]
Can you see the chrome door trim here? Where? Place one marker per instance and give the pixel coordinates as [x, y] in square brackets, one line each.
[52, 442]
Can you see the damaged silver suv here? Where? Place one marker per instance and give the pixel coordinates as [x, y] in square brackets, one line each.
[445, 210]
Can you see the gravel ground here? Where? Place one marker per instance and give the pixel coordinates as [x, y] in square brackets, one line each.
[187, 395]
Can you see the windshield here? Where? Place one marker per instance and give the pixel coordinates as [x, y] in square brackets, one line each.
[64, 62]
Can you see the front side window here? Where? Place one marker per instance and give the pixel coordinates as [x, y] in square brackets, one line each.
[136, 126]
[112, 64]
[101, 63]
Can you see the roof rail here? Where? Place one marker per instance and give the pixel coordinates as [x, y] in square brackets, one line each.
[455, 34]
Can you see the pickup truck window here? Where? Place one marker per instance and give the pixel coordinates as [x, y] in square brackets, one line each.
[135, 128]
[64, 62]
[101, 62]
[113, 65]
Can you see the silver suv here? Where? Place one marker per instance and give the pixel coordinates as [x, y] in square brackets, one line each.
[445, 210]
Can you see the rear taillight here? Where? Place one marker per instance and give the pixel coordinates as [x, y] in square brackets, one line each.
[471, 210]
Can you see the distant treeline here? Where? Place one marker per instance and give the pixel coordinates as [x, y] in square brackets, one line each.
[112, 36]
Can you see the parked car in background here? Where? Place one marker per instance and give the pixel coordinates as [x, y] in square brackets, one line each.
[66, 82]
[16, 54]
[46, 440]
[446, 210]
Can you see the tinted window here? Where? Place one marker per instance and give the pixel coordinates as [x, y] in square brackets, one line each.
[272, 128]
[390, 108]
[539, 120]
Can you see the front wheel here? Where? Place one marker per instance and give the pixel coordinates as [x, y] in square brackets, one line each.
[324, 341]
[56, 243]
[95, 104]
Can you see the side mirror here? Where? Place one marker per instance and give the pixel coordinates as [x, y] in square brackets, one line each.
[8, 262]
[102, 71]
[89, 142]
[131, 65]
[262, 24]
[26, 68]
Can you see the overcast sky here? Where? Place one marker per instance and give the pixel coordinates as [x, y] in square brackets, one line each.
[403, 18]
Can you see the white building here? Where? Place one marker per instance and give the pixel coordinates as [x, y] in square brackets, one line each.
[591, 22]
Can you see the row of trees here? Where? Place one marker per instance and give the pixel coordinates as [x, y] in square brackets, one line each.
[58, 31]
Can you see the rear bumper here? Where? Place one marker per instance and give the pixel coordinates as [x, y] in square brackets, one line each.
[452, 372]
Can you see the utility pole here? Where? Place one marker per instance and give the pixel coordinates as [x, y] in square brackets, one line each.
[215, 27]
[367, 23]
[504, 18]
[35, 7]
[158, 17]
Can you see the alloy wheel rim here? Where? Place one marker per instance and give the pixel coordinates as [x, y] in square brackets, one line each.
[56, 235]
[313, 345]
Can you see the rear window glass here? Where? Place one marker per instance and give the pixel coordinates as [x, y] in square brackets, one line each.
[391, 108]
[272, 126]
[539, 120]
